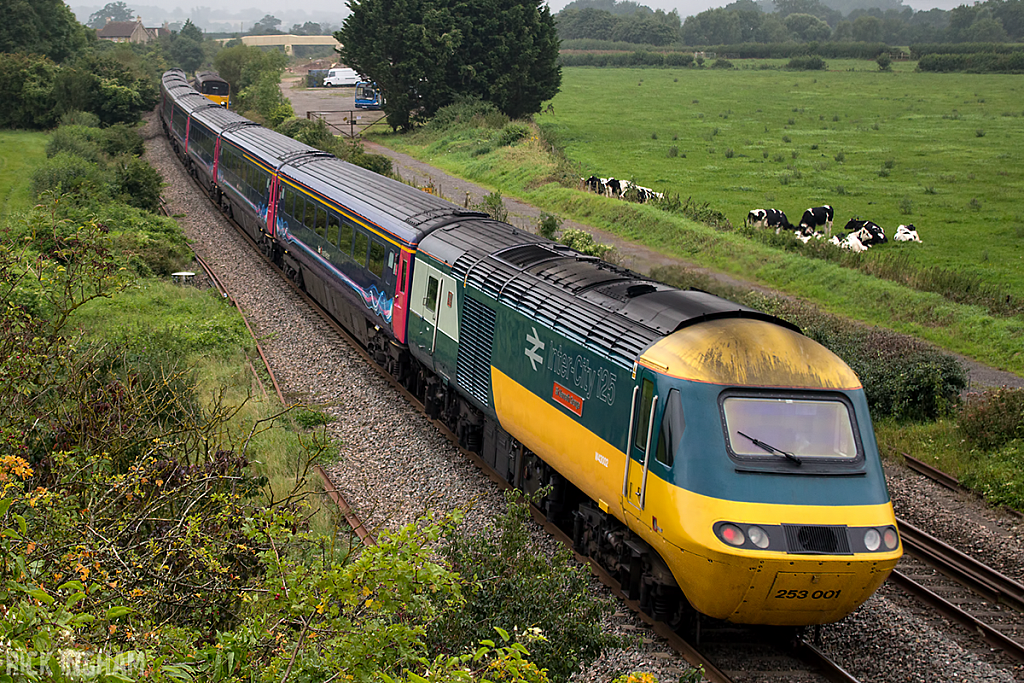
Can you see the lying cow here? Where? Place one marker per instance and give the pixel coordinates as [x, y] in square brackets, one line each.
[906, 233]
[868, 232]
[817, 217]
[768, 218]
[851, 243]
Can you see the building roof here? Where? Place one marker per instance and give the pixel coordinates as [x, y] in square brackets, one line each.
[118, 29]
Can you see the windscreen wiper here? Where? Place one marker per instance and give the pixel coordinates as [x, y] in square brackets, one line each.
[771, 449]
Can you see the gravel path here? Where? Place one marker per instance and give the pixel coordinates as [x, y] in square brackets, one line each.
[393, 465]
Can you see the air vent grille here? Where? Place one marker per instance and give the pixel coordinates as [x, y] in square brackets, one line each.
[817, 540]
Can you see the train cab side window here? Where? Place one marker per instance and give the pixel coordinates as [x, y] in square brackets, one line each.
[362, 245]
[401, 279]
[430, 301]
[646, 399]
[377, 255]
[672, 425]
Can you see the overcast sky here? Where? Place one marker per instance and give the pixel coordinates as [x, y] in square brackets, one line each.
[334, 11]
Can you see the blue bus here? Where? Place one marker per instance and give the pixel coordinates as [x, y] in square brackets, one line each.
[368, 95]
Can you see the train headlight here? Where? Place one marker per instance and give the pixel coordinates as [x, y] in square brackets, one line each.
[891, 539]
[758, 536]
[732, 535]
[872, 539]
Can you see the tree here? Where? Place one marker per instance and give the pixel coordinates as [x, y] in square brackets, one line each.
[807, 28]
[45, 27]
[191, 31]
[187, 47]
[425, 53]
[267, 25]
[113, 11]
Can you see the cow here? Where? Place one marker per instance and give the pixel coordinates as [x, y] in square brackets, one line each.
[815, 217]
[768, 218]
[906, 233]
[594, 184]
[851, 243]
[615, 187]
[868, 232]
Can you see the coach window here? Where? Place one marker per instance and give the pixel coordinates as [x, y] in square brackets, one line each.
[362, 245]
[288, 203]
[345, 242]
[377, 255]
[321, 221]
[309, 220]
[332, 227]
[401, 279]
[672, 425]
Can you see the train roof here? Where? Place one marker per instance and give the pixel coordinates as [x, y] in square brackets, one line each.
[270, 147]
[202, 76]
[189, 100]
[406, 212]
[595, 301]
[217, 118]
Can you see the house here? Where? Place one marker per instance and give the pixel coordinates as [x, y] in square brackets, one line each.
[125, 32]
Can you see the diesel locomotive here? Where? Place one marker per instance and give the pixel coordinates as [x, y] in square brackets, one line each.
[709, 454]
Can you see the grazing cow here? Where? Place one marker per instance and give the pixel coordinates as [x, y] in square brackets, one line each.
[867, 232]
[768, 218]
[906, 233]
[594, 184]
[815, 217]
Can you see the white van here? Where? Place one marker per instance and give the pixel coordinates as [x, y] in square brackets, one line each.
[343, 76]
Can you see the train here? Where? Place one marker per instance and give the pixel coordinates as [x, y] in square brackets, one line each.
[710, 456]
[213, 87]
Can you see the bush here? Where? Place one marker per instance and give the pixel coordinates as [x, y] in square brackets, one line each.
[138, 183]
[993, 418]
[66, 173]
[884, 62]
[467, 111]
[521, 589]
[584, 243]
[494, 206]
[80, 118]
[810, 63]
[513, 133]
[548, 225]
[721, 64]
[76, 140]
[121, 139]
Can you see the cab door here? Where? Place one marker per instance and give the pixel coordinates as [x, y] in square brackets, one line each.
[426, 334]
[643, 432]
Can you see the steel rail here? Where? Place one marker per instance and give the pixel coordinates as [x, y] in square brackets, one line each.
[989, 634]
[976, 575]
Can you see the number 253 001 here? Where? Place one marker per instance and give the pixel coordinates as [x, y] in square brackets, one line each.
[802, 595]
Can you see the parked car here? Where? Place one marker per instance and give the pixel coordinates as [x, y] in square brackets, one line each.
[341, 77]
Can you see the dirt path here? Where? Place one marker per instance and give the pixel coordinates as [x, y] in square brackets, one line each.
[525, 216]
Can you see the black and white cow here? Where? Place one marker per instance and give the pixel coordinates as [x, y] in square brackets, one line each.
[768, 218]
[851, 243]
[868, 232]
[595, 184]
[906, 233]
[816, 217]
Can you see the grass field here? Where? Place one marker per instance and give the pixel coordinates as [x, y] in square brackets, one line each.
[942, 151]
[20, 153]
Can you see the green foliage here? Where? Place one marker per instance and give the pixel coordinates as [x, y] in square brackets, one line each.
[425, 56]
[467, 112]
[41, 27]
[884, 62]
[112, 11]
[810, 63]
[66, 172]
[317, 134]
[584, 243]
[514, 585]
[80, 118]
[513, 133]
[308, 419]
[494, 206]
[548, 225]
[138, 183]
[993, 418]
[26, 90]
